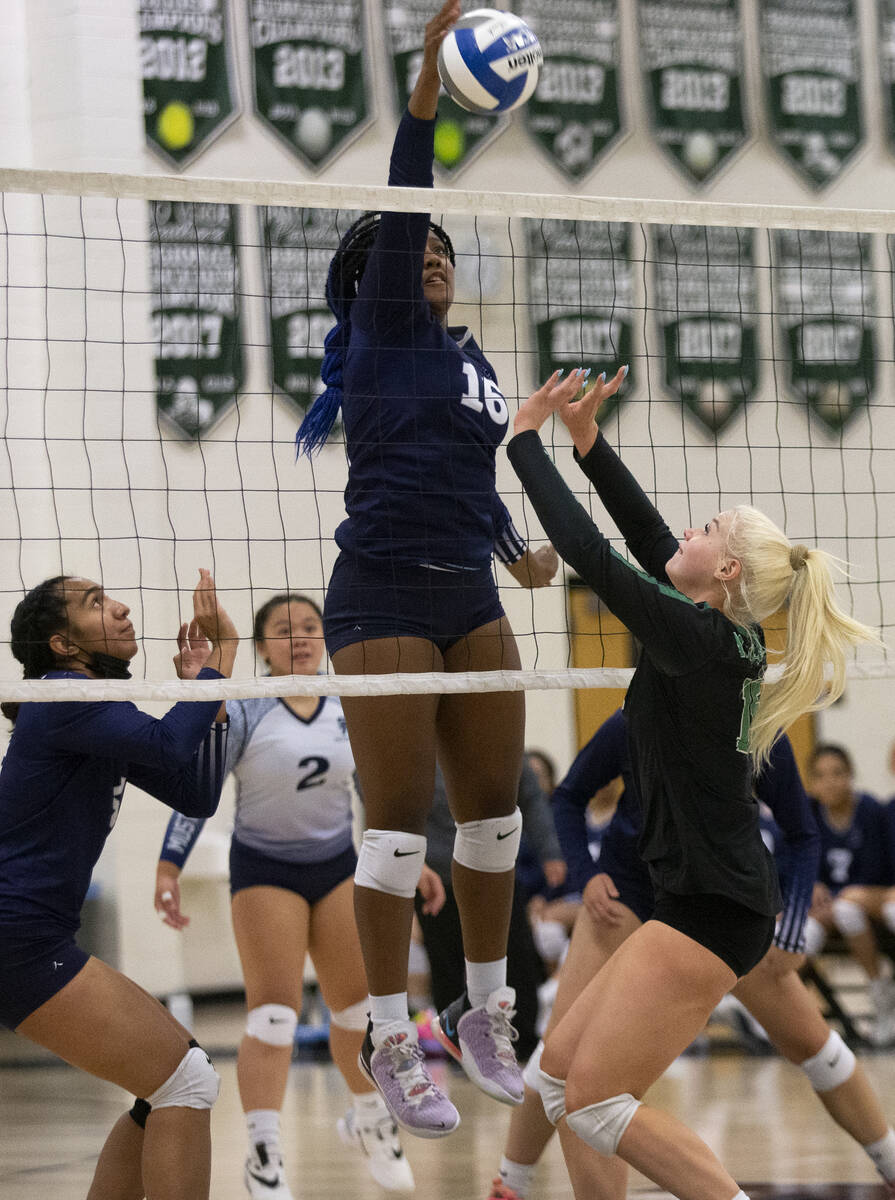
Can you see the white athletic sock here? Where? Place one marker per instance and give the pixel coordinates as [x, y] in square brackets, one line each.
[385, 1010]
[882, 1155]
[368, 1106]
[484, 978]
[263, 1125]
[517, 1176]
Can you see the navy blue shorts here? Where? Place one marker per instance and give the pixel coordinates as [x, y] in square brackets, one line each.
[33, 968]
[365, 601]
[621, 861]
[738, 935]
[312, 881]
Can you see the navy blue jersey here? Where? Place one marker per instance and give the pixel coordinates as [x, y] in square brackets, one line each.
[857, 854]
[61, 785]
[693, 693]
[421, 409]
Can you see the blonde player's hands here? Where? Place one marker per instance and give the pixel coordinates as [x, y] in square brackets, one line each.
[579, 414]
[432, 891]
[536, 568]
[600, 898]
[167, 895]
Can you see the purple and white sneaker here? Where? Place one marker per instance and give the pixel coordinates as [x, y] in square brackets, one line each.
[481, 1040]
[398, 1069]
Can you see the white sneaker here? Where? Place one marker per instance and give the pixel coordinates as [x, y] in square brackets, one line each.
[383, 1155]
[264, 1175]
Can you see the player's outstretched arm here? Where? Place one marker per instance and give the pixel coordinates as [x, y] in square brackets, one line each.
[423, 102]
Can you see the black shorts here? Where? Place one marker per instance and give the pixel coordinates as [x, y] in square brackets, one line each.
[368, 601]
[738, 935]
[310, 880]
[33, 968]
[621, 861]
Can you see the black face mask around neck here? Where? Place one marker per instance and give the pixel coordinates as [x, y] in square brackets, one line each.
[107, 666]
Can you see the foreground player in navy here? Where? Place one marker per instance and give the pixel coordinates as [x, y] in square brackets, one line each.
[61, 786]
[618, 898]
[291, 865]
[413, 590]
[698, 717]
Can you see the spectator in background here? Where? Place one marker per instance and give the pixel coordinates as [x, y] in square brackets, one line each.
[442, 933]
[855, 879]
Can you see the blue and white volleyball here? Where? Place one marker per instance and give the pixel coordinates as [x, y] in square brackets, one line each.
[490, 61]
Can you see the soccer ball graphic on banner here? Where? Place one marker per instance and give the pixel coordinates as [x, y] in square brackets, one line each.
[489, 62]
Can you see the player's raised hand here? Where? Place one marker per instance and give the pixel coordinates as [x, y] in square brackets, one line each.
[423, 102]
[580, 413]
[193, 650]
[214, 624]
[547, 400]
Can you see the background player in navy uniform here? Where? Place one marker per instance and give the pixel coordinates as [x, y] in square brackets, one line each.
[697, 716]
[291, 865]
[855, 872]
[413, 590]
[61, 787]
[618, 898]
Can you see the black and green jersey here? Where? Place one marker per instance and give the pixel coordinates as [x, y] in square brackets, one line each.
[692, 696]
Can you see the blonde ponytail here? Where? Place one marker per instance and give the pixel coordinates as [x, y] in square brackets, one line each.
[818, 631]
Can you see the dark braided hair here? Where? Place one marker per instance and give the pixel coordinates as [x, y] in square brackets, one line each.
[37, 617]
[345, 273]
[274, 602]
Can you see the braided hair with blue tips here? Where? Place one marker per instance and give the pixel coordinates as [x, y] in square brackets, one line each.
[343, 279]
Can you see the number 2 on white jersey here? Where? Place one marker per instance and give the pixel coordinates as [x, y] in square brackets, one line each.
[494, 401]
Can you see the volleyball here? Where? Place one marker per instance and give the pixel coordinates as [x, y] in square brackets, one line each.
[490, 61]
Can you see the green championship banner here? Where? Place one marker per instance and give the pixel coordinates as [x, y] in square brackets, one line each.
[194, 280]
[823, 296]
[298, 245]
[810, 63]
[187, 76]
[706, 307]
[887, 65]
[580, 290]
[692, 59]
[574, 114]
[459, 135]
[310, 74]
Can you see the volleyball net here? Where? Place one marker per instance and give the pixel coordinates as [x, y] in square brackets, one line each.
[163, 336]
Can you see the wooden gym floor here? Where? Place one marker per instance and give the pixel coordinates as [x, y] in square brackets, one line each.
[758, 1114]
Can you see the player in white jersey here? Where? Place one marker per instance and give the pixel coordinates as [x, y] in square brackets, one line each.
[292, 864]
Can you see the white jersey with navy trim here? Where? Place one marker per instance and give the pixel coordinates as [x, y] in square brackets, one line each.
[294, 783]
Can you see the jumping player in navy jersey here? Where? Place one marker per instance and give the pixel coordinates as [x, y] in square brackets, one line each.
[61, 787]
[699, 717]
[855, 872]
[291, 865]
[413, 590]
[618, 898]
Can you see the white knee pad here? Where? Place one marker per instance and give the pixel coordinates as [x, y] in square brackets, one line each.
[490, 845]
[602, 1125]
[849, 918]
[888, 915]
[195, 1084]
[272, 1023]
[391, 862]
[553, 1096]
[815, 936]
[832, 1065]
[532, 1067]
[353, 1017]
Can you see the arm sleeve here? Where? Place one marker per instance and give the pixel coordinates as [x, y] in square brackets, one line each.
[675, 632]
[509, 544]
[390, 296]
[193, 789]
[180, 837]
[597, 763]
[537, 819]
[641, 525]
[779, 785]
[118, 729]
